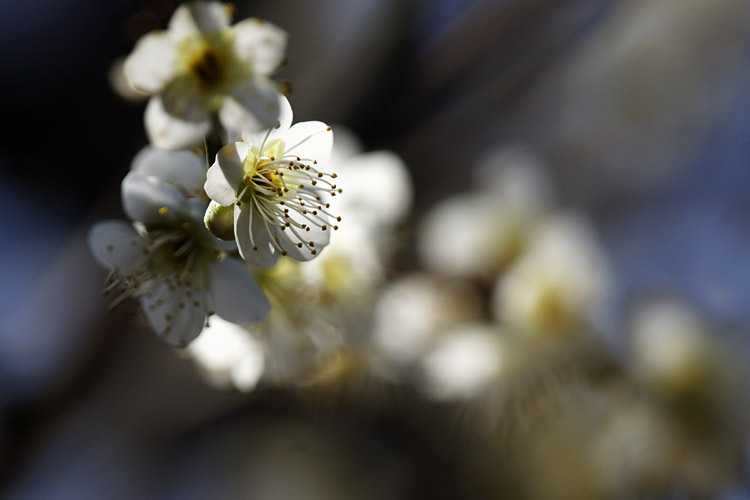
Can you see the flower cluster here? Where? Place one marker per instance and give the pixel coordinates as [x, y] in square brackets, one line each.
[501, 308]
[198, 233]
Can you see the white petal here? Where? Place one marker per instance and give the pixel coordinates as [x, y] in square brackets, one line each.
[115, 244]
[167, 132]
[237, 297]
[256, 138]
[228, 354]
[261, 44]
[175, 325]
[186, 99]
[251, 105]
[310, 141]
[464, 363]
[225, 175]
[196, 18]
[152, 63]
[247, 219]
[320, 237]
[151, 200]
[377, 187]
[183, 169]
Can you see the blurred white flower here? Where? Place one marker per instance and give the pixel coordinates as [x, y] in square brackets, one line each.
[412, 312]
[199, 66]
[678, 358]
[228, 355]
[476, 234]
[464, 363]
[167, 259]
[558, 284]
[379, 195]
[274, 182]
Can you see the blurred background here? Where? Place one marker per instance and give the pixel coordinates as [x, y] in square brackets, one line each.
[637, 109]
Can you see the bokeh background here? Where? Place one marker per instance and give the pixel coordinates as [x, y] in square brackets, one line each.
[639, 108]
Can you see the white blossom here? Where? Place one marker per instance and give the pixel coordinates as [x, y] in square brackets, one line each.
[278, 188]
[466, 361]
[200, 65]
[228, 355]
[167, 259]
[557, 286]
[477, 234]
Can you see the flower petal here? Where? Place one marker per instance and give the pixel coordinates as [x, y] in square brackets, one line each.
[289, 240]
[311, 141]
[377, 187]
[152, 63]
[247, 220]
[183, 169]
[115, 244]
[174, 317]
[225, 175]
[228, 354]
[261, 44]
[251, 105]
[256, 138]
[237, 297]
[197, 18]
[186, 99]
[168, 132]
[151, 200]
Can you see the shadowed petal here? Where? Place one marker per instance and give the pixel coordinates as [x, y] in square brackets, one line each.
[237, 297]
[246, 221]
[183, 169]
[168, 132]
[251, 105]
[225, 175]
[115, 244]
[151, 200]
[175, 317]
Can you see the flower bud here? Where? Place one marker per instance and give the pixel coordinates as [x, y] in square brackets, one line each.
[220, 221]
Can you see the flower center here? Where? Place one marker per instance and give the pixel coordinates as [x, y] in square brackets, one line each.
[278, 183]
[208, 67]
[209, 59]
[177, 258]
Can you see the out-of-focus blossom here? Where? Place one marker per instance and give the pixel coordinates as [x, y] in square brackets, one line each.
[319, 328]
[166, 258]
[379, 195]
[228, 355]
[413, 311]
[675, 354]
[477, 234]
[684, 422]
[464, 363]
[273, 184]
[200, 66]
[558, 283]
